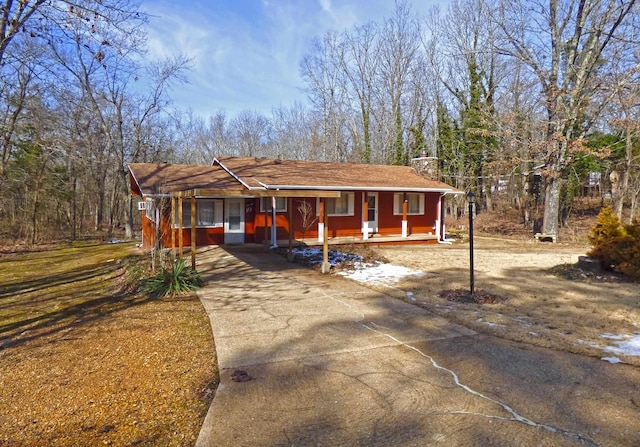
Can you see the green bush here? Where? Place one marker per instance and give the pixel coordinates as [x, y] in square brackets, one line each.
[616, 246]
[606, 237]
[629, 251]
[175, 279]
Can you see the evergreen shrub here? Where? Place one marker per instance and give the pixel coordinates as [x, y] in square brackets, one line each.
[617, 247]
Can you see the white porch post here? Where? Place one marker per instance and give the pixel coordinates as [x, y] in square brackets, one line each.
[274, 227]
[321, 207]
[365, 217]
[405, 229]
[438, 218]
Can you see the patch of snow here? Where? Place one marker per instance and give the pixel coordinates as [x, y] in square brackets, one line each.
[612, 359]
[379, 273]
[410, 296]
[615, 336]
[628, 347]
[534, 334]
[314, 255]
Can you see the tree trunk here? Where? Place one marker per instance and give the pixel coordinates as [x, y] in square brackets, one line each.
[128, 209]
[623, 188]
[552, 205]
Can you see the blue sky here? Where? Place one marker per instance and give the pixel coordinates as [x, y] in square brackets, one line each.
[245, 53]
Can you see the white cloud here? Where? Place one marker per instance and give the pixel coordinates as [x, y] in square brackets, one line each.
[245, 54]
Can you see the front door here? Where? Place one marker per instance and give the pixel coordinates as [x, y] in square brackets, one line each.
[234, 221]
[372, 213]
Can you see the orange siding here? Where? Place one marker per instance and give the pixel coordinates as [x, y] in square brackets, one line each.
[339, 226]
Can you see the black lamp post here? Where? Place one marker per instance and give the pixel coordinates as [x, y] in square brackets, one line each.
[471, 198]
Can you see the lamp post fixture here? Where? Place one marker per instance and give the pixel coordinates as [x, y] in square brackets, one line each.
[471, 198]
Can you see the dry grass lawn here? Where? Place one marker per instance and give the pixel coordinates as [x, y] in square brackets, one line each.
[537, 306]
[84, 360]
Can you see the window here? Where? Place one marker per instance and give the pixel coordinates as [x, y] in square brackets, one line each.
[208, 213]
[339, 206]
[150, 210]
[186, 214]
[415, 203]
[281, 204]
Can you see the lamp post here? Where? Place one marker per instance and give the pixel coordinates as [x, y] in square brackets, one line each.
[471, 198]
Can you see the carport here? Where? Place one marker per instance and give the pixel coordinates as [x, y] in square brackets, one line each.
[177, 203]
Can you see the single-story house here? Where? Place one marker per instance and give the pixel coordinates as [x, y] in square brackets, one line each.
[241, 200]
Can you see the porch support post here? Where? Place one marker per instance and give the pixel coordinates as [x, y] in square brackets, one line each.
[265, 241]
[180, 227]
[321, 220]
[405, 229]
[443, 230]
[326, 267]
[274, 241]
[365, 217]
[438, 218]
[173, 226]
[193, 231]
[291, 228]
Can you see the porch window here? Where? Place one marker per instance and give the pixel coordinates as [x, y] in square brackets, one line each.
[339, 206]
[208, 213]
[150, 210]
[415, 203]
[281, 204]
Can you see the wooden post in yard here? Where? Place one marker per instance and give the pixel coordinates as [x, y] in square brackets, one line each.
[326, 267]
[194, 220]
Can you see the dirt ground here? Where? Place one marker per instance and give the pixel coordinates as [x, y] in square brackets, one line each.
[580, 315]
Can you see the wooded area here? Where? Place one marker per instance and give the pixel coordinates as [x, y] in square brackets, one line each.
[527, 103]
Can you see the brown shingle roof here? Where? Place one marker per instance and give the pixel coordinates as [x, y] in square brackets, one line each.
[162, 178]
[292, 174]
[260, 173]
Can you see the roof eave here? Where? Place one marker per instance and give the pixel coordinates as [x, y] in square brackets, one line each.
[361, 188]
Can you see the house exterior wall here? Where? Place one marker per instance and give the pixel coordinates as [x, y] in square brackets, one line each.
[339, 226]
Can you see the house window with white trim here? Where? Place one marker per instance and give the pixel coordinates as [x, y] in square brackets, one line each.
[339, 206]
[415, 203]
[208, 213]
[281, 204]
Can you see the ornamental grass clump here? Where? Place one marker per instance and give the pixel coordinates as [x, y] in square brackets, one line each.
[175, 279]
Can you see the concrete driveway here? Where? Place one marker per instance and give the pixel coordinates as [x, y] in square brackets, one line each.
[318, 360]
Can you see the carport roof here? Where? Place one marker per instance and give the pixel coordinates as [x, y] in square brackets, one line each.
[163, 179]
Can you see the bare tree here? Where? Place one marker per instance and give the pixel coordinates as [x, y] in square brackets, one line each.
[323, 72]
[567, 45]
[251, 132]
[400, 42]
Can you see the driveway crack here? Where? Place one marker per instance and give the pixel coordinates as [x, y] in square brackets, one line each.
[515, 416]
